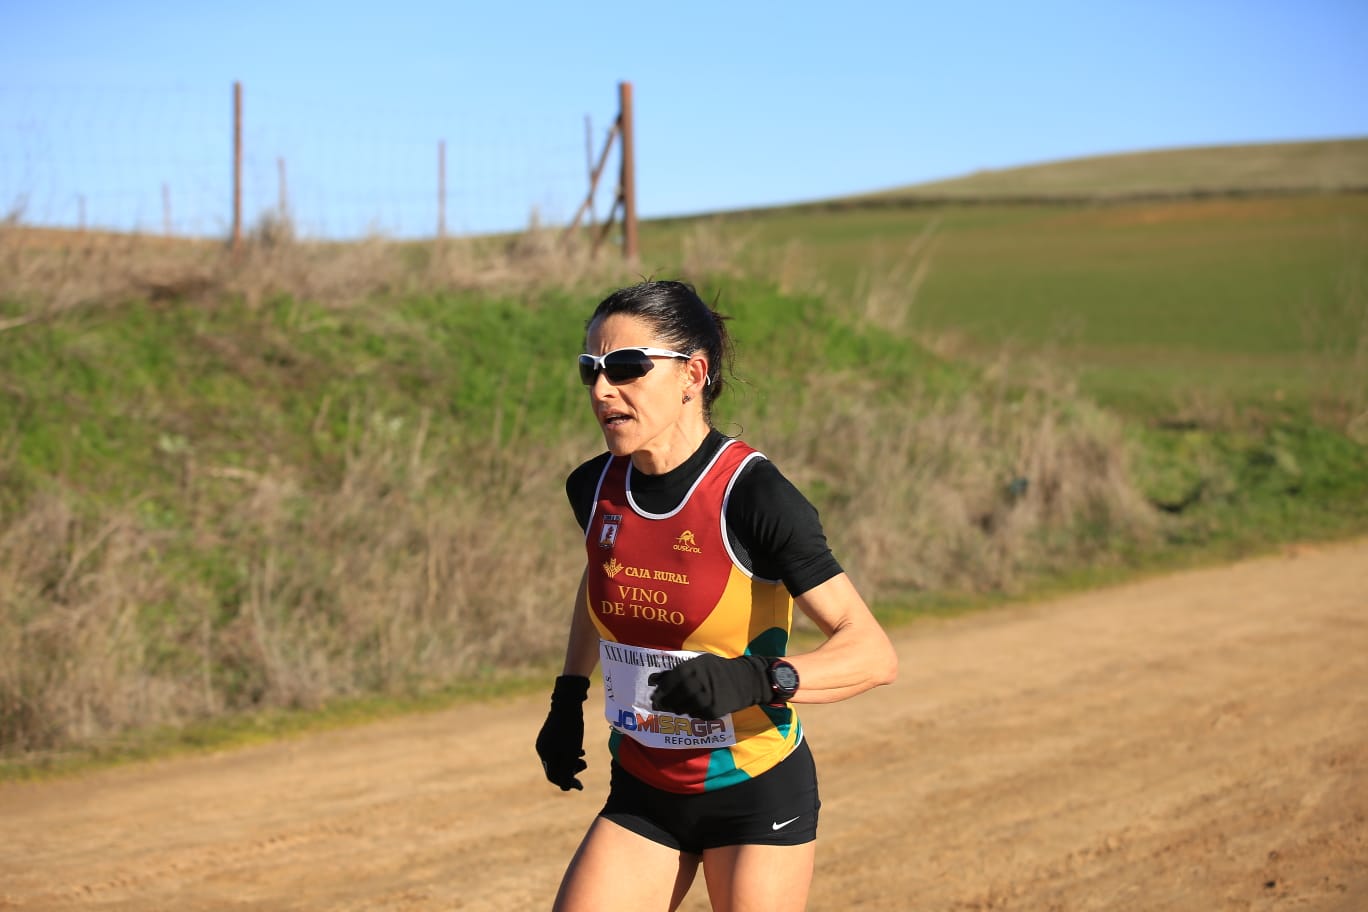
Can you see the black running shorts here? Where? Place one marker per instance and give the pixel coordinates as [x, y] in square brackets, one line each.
[778, 807]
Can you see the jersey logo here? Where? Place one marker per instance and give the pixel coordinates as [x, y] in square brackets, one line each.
[608, 535]
[686, 542]
[612, 567]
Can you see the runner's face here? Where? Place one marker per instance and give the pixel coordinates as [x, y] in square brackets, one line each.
[640, 415]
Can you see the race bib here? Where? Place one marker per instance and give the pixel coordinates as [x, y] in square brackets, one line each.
[627, 701]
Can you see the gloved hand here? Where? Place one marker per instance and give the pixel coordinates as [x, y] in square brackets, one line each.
[709, 686]
[560, 743]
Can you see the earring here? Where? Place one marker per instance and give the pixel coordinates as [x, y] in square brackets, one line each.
[688, 398]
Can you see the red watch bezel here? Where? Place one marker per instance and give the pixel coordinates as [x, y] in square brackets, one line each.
[782, 696]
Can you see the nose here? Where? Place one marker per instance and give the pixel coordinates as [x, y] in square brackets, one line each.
[600, 387]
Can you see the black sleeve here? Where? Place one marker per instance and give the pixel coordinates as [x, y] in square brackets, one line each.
[580, 485]
[779, 530]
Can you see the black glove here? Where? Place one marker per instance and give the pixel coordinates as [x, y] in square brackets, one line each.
[709, 686]
[560, 743]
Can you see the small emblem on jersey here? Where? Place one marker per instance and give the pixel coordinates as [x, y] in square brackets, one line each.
[612, 567]
[608, 534]
[686, 542]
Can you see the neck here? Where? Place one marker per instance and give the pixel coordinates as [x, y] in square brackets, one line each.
[673, 449]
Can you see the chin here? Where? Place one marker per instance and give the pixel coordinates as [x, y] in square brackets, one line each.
[616, 444]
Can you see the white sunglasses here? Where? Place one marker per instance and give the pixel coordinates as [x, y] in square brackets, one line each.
[623, 364]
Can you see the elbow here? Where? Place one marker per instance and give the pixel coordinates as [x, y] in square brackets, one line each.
[886, 672]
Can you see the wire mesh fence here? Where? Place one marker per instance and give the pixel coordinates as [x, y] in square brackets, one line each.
[160, 160]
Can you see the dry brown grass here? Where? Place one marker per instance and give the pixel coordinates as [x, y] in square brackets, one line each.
[885, 294]
[49, 272]
[978, 491]
[386, 583]
[69, 648]
[708, 248]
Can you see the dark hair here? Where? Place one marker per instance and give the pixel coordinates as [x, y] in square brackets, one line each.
[680, 318]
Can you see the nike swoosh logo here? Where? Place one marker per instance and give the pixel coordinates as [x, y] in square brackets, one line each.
[780, 826]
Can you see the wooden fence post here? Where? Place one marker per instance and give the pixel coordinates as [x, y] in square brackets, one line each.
[629, 211]
[625, 198]
[283, 203]
[594, 176]
[589, 162]
[441, 189]
[237, 166]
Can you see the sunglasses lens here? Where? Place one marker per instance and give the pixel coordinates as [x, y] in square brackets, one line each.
[619, 366]
[588, 371]
[626, 364]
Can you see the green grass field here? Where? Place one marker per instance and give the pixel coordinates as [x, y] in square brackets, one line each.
[1247, 299]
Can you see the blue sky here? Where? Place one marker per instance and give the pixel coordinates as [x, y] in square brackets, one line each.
[119, 112]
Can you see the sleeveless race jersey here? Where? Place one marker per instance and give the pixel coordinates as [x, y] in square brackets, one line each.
[664, 587]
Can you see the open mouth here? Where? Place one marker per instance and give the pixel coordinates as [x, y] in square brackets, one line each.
[615, 420]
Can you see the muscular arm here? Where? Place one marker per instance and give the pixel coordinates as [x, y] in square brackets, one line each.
[582, 648]
[856, 655]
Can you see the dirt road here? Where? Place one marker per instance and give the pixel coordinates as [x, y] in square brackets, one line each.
[1194, 742]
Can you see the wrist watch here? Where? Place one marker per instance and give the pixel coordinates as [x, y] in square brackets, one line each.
[783, 679]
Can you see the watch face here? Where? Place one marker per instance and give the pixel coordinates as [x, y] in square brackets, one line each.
[785, 678]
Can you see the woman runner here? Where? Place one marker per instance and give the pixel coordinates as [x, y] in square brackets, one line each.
[697, 550]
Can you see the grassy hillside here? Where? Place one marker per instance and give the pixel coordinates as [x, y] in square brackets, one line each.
[1156, 304]
[1325, 166]
[324, 473]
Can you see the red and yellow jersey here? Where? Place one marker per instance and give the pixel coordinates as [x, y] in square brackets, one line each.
[663, 586]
